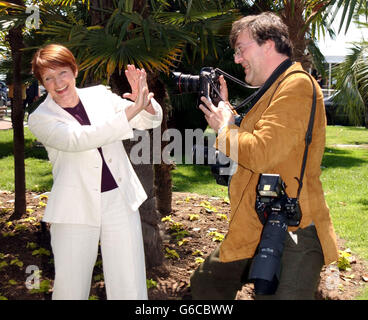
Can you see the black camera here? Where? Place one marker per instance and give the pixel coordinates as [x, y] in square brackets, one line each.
[205, 84]
[219, 163]
[276, 211]
[272, 197]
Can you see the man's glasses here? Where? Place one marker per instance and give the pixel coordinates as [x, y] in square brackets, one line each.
[240, 49]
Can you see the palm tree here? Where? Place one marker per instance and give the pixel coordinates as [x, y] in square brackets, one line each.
[14, 38]
[352, 84]
[352, 74]
[150, 36]
[123, 32]
[13, 19]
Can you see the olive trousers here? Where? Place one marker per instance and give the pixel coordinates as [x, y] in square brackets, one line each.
[301, 264]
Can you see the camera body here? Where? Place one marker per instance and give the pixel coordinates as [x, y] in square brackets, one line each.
[276, 211]
[272, 197]
[203, 84]
[221, 166]
[207, 84]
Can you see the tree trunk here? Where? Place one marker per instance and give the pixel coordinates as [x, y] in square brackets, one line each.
[97, 16]
[293, 17]
[163, 187]
[162, 171]
[149, 216]
[15, 39]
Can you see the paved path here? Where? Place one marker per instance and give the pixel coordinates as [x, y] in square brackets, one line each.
[5, 124]
[357, 146]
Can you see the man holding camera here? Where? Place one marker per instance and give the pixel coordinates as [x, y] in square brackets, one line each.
[270, 139]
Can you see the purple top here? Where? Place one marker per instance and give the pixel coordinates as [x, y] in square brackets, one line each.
[107, 182]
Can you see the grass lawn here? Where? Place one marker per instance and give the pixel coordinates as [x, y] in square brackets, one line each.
[37, 166]
[346, 194]
[196, 179]
[344, 178]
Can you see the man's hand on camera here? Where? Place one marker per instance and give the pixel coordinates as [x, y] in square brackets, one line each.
[217, 117]
[223, 89]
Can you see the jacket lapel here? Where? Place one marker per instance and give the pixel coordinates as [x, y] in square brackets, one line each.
[56, 109]
[92, 104]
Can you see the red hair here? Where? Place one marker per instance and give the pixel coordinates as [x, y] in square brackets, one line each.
[51, 57]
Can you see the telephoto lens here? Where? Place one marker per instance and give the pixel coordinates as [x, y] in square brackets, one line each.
[266, 266]
[185, 83]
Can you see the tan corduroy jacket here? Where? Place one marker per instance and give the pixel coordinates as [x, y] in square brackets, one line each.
[271, 139]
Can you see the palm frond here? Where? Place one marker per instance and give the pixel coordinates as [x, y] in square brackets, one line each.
[318, 58]
[65, 2]
[352, 82]
[349, 9]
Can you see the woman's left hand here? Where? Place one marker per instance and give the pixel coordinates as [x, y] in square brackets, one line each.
[143, 100]
[137, 79]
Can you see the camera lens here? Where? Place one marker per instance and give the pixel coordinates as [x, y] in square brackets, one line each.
[185, 83]
[266, 265]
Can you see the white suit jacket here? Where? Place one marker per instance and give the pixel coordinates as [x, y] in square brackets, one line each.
[76, 163]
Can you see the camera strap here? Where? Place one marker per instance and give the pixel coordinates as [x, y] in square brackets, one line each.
[253, 98]
[308, 135]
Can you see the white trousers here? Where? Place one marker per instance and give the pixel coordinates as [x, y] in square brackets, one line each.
[75, 249]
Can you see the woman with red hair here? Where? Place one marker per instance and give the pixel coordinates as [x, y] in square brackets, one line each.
[95, 194]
